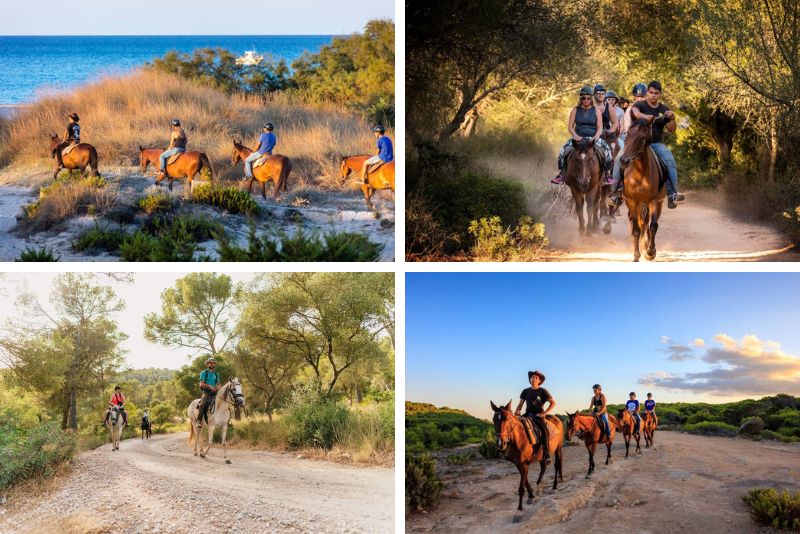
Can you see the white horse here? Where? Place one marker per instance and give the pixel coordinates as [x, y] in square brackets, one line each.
[228, 397]
[115, 424]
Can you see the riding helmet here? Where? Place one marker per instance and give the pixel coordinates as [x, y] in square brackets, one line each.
[379, 128]
[74, 116]
[176, 122]
[639, 89]
[596, 386]
[611, 94]
[586, 90]
[537, 373]
[269, 126]
[599, 88]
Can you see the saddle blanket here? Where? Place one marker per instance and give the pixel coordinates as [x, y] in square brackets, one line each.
[260, 161]
[69, 148]
[172, 159]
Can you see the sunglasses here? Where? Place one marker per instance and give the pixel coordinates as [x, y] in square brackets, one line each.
[586, 98]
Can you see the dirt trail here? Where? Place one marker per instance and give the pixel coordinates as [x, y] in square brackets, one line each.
[158, 486]
[685, 484]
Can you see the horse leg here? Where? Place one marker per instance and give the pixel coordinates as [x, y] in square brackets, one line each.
[367, 195]
[225, 444]
[591, 448]
[627, 444]
[638, 443]
[651, 243]
[522, 477]
[264, 190]
[579, 210]
[608, 457]
[636, 231]
[557, 468]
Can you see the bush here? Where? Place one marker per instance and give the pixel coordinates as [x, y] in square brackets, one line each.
[67, 196]
[313, 420]
[31, 452]
[98, 239]
[460, 459]
[770, 508]
[711, 428]
[423, 487]
[272, 434]
[165, 238]
[494, 242]
[769, 434]
[156, 202]
[751, 426]
[38, 254]
[488, 447]
[334, 246]
[232, 199]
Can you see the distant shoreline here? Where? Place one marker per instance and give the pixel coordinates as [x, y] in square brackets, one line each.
[8, 111]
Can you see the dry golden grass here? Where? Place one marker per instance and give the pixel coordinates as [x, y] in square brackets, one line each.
[120, 113]
[66, 198]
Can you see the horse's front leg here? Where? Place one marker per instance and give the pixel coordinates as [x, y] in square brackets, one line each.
[591, 447]
[638, 443]
[225, 444]
[653, 228]
[608, 457]
[579, 200]
[365, 188]
[636, 231]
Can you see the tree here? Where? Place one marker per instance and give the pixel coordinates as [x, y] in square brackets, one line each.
[267, 365]
[162, 413]
[194, 314]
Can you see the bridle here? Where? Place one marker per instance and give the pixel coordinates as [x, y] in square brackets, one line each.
[649, 139]
[513, 423]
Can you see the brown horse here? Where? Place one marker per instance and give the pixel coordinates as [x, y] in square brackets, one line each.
[587, 427]
[276, 168]
[187, 165]
[513, 440]
[649, 425]
[627, 425]
[644, 194]
[82, 156]
[382, 178]
[583, 176]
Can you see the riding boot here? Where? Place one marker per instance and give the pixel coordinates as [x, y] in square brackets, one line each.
[125, 418]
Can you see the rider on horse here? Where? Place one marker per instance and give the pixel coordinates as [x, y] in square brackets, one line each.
[72, 135]
[650, 406]
[639, 90]
[384, 152]
[534, 398]
[209, 385]
[613, 104]
[177, 145]
[266, 143]
[598, 407]
[633, 408]
[585, 120]
[117, 399]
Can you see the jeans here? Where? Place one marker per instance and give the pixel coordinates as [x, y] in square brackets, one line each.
[663, 152]
[166, 155]
[638, 420]
[621, 141]
[604, 419]
[248, 163]
[617, 173]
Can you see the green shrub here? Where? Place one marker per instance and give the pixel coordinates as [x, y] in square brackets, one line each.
[711, 428]
[488, 447]
[313, 419]
[165, 238]
[333, 246]
[30, 452]
[751, 426]
[98, 238]
[494, 242]
[156, 202]
[272, 434]
[423, 487]
[460, 459]
[228, 198]
[770, 508]
[37, 254]
[769, 434]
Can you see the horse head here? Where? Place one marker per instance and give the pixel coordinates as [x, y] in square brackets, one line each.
[54, 141]
[639, 136]
[344, 169]
[586, 161]
[503, 424]
[573, 426]
[236, 157]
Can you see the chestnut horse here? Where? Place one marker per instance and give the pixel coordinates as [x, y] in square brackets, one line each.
[649, 425]
[187, 165]
[276, 168]
[82, 156]
[644, 193]
[627, 425]
[584, 177]
[382, 178]
[586, 427]
[513, 440]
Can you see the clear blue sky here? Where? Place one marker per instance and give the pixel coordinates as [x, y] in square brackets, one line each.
[196, 17]
[713, 337]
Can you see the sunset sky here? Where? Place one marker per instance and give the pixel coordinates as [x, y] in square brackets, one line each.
[713, 337]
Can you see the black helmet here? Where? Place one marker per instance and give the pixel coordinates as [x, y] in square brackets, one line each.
[611, 94]
[74, 116]
[176, 122]
[599, 88]
[586, 90]
[596, 386]
[379, 128]
[639, 89]
[269, 126]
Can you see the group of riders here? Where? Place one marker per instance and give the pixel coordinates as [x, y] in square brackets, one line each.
[384, 150]
[600, 116]
[209, 386]
[534, 398]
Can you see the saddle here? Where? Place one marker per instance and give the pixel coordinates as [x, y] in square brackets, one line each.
[372, 169]
[69, 148]
[531, 429]
[663, 173]
[260, 161]
[172, 159]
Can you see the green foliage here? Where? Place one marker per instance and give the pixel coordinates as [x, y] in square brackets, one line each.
[157, 202]
[332, 246]
[494, 242]
[711, 428]
[37, 254]
[166, 238]
[188, 377]
[488, 447]
[423, 486]
[99, 239]
[313, 419]
[460, 459]
[773, 509]
[431, 430]
[751, 426]
[29, 452]
[232, 199]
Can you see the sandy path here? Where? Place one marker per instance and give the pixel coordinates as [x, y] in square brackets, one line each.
[685, 484]
[158, 486]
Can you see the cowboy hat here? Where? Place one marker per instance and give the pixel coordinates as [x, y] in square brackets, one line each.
[537, 373]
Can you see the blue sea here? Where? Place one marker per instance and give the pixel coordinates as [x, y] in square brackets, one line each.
[32, 65]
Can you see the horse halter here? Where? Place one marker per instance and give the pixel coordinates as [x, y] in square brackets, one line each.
[648, 139]
[231, 391]
[513, 422]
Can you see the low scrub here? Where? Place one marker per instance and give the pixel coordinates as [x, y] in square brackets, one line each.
[231, 199]
[31, 452]
[99, 239]
[488, 447]
[773, 509]
[423, 486]
[460, 458]
[495, 242]
[37, 254]
[157, 203]
[711, 428]
[66, 197]
[164, 238]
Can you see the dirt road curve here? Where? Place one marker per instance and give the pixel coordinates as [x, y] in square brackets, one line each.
[698, 230]
[685, 484]
[158, 486]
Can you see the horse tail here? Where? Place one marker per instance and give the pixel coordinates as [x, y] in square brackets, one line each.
[93, 161]
[205, 162]
[283, 180]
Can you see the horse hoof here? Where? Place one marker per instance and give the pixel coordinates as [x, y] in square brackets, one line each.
[227, 461]
[650, 257]
[607, 228]
[530, 500]
[588, 476]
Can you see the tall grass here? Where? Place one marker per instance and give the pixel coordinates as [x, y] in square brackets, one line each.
[120, 113]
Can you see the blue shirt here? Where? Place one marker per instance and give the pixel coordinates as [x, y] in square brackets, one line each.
[631, 405]
[649, 405]
[266, 142]
[386, 152]
[209, 377]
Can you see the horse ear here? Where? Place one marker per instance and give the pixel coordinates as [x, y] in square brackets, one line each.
[141, 149]
[495, 408]
[508, 406]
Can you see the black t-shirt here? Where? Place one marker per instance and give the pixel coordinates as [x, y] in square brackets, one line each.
[534, 399]
[658, 127]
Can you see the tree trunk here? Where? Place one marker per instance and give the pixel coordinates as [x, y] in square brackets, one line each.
[73, 407]
[773, 147]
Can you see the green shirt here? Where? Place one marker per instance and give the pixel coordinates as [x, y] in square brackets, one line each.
[209, 377]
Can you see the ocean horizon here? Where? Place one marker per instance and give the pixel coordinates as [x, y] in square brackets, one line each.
[34, 66]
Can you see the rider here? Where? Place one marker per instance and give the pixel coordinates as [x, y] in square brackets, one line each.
[650, 407]
[598, 407]
[613, 103]
[266, 143]
[585, 120]
[650, 110]
[384, 152]
[633, 408]
[614, 199]
[117, 399]
[534, 398]
[209, 385]
[72, 135]
[177, 145]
